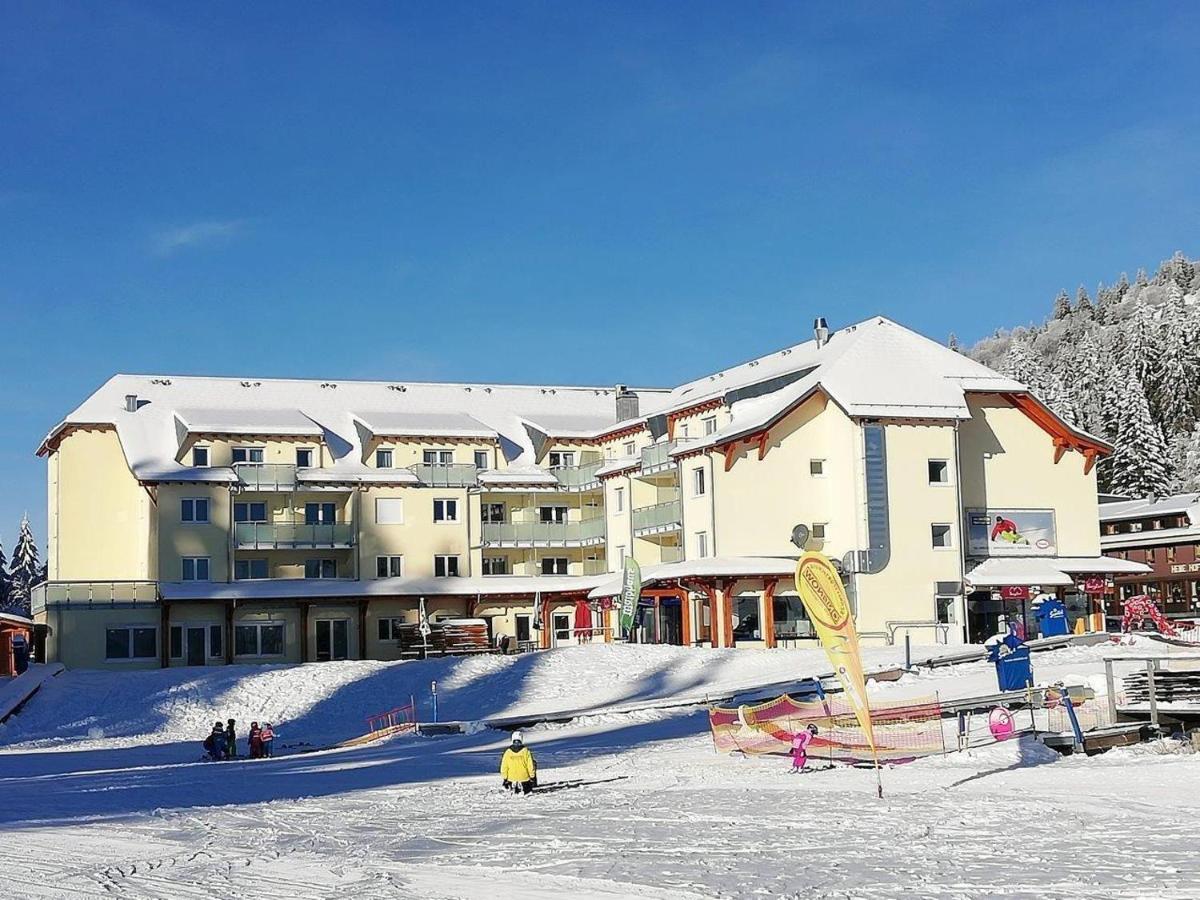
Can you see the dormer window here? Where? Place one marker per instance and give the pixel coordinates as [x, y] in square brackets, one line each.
[200, 457]
[383, 459]
[304, 457]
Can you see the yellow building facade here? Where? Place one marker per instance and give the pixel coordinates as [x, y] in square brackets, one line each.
[206, 521]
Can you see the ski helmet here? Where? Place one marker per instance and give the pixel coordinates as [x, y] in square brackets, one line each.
[516, 738]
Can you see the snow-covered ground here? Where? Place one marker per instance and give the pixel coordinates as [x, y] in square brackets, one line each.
[101, 794]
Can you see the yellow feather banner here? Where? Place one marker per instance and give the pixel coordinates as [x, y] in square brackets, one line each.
[820, 588]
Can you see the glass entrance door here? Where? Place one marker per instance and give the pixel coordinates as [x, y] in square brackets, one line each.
[195, 646]
[333, 639]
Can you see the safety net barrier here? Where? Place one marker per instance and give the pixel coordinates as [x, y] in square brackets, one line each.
[903, 730]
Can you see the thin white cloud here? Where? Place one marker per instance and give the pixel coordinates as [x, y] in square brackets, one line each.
[172, 240]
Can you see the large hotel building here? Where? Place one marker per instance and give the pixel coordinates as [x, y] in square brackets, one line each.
[201, 521]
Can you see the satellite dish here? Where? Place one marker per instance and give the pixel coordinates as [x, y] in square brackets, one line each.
[800, 536]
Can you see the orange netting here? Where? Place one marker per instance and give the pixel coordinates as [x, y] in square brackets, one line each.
[903, 730]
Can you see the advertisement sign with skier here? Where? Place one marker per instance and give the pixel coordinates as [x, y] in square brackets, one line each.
[1011, 532]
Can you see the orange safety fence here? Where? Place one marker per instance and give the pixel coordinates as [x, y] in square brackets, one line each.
[904, 730]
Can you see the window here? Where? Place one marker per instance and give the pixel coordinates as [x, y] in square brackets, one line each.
[194, 510]
[941, 537]
[320, 513]
[445, 566]
[389, 510]
[244, 569]
[320, 568]
[255, 511]
[437, 457]
[495, 565]
[945, 610]
[685, 430]
[554, 565]
[131, 642]
[710, 424]
[492, 513]
[816, 468]
[702, 543]
[791, 619]
[524, 623]
[561, 623]
[619, 500]
[248, 454]
[818, 531]
[383, 459]
[939, 471]
[176, 642]
[389, 629]
[389, 566]
[629, 447]
[552, 514]
[258, 639]
[304, 457]
[200, 457]
[445, 510]
[698, 482]
[1170, 554]
[195, 568]
[561, 458]
[216, 641]
[747, 618]
[1150, 555]
[481, 459]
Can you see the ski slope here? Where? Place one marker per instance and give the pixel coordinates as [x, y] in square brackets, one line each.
[654, 811]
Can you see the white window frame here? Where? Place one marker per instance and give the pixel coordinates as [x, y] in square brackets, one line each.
[486, 509]
[312, 457]
[195, 561]
[391, 458]
[446, 565]
[207, 451]
[629, 448]
[391, 560]
[491, 559]
[208, 641]
[685, 429]
[618, 501]
[482, 460]
[320, 576]
[258, 642]
[445, 519]
[561, 459]
[554, 519]
[396, 503]
[710, 424]
[249, 503]
[928, 473]
[566, 568]
[442, 457]
[818, 463]
[701, 544]
[252, 577]
[193, 520]
[949, 545]
[699, 482]
[249, 450]
[820, 531]
[130, 629]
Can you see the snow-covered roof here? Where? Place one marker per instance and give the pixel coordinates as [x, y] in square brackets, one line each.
[15, 619]
[709, 567]
[1099, 565]
[875, 368]
[1150, 537]
[293, 588]
[1119, 510]
[1048, 571]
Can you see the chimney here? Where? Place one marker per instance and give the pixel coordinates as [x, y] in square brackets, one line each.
[131, 403]
[821, 331]
[627, 403]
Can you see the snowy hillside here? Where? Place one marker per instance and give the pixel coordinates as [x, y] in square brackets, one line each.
[1124, 365]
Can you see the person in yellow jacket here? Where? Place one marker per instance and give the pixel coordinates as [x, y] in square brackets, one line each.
[517, 767]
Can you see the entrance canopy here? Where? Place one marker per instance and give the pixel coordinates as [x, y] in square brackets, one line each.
[1047, 571]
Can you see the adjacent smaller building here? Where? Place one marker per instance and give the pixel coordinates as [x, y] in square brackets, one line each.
[1163, 534]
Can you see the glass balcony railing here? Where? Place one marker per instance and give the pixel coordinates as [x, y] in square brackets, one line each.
[449, 475]
[660, 517]
[671, 554]
[266, 476]
[578, 477]
[593, 567]
[93, 593]
[271, 536]
[657, 456]
[589, 531]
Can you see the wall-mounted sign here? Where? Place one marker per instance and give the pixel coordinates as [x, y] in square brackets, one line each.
[1014, 592]
[1011, 532]
[1095, 585]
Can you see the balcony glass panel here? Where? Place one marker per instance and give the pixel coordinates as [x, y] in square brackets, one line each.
[577, 476]
[660, 516]
[589, 530]
[287, 535]
[266, 476]
[449, 475]
[82, 593]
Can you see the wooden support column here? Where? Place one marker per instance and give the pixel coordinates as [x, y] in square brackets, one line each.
[714, 612]
[685, 618]
[768, 615]
[724, 590]
[304, 632]
[229, 632]
[164, 635]
[547, 625]
[362, 629]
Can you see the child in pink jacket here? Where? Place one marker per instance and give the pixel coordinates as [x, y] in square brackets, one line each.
[800, 742]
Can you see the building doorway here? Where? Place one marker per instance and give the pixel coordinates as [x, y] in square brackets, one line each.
[196, 646]
[333, 639]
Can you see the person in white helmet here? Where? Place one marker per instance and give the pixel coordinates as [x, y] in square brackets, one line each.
[517, 767]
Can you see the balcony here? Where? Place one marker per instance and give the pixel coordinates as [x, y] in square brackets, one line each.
[670, 553]
[448, 476]
[266, 476]
[578, 478]
[661, 518]
[589, 532]
[270, 536]
[94, 593]
[657, 459]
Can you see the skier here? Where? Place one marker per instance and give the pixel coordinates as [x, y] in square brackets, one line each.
[1006, 530]
[214, 744]
[517, 767]
[800, 742]
[267, 736]
[255, 741]
[230, 740]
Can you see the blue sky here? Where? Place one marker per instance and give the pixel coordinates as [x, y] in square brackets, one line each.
[554, 191]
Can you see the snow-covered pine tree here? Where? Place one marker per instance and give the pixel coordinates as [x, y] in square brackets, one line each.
[1122, 286]
[1062, 305]
[1177, 367]
[1022, 364]
[1140, 279]
[1141, 465]
[25, 568]
[952, 342]
[1185, 453]
[1083, 303]
[5, 581]
[1138, 349]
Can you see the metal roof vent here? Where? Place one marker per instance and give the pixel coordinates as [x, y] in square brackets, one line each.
[821, 331]
[131, 403]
